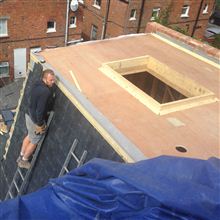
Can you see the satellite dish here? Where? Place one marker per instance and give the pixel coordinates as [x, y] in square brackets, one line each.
[74, 5]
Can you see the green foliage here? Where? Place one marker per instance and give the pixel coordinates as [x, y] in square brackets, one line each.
[164, 20]
[179, 29]
[216, 42]
[164, 16]
[217, 5]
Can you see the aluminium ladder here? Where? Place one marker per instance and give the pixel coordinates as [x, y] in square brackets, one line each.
[72, 155]
[20, 179]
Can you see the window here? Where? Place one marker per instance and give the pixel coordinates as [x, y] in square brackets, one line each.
[4, 69]
[72, 22]
[3, 27]
[185, 11]
[94, 31]
[133, 14]
[155, 14]
[205, 9]
[97, 4]
[51, 26]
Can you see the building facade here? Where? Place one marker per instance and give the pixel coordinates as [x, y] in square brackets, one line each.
[27, 26]
[111, 18]
[33, 25]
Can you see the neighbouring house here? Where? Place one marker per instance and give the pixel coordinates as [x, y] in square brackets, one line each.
[105, 18]
[30, 26]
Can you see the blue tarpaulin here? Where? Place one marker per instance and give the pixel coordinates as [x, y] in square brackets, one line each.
[163, 188]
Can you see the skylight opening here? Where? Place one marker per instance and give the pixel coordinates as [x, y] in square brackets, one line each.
[156, 85]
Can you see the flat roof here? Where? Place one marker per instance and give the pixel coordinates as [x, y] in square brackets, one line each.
[196, 128]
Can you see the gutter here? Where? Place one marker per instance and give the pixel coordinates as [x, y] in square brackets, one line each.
[141, 15]
[197, 18]
[105, 20]
[67, 22]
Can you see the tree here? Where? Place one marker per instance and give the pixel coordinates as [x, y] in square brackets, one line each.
[216, 41]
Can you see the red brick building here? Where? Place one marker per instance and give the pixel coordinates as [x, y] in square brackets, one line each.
[110, 18]
[32, 25]
[35, 24]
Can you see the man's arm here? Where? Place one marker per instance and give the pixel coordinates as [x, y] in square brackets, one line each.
[40, 108]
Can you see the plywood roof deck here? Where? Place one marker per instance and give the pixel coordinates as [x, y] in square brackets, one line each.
[197, 128]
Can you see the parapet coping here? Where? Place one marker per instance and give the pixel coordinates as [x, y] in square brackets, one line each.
[188, 48]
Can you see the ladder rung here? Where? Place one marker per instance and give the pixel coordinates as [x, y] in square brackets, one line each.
[82, 159]
[16, 186]
[77, 160]
[10, 194]
[22, 177]
[71, 154]
[66, 169]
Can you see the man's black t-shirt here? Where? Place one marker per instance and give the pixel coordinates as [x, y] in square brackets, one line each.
[39, 102]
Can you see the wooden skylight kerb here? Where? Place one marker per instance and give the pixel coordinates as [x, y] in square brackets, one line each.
[192, 94]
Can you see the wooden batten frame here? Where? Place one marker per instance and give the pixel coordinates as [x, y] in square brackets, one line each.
[196, 94]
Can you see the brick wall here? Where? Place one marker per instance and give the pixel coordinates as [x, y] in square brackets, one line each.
[92, 16]
[27, 26]
[95, 16]
[188, 23]
[119, 16]
[117, 19]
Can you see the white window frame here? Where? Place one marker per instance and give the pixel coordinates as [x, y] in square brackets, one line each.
[4, 21]
[186, 13]
[92, 30]
[51, 30]
[96, 5]
[157, 10]
[4, 64]
[73, 25]
[133, 17]
[205, 9]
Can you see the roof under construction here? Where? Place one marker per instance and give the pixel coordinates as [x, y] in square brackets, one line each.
[161, 96]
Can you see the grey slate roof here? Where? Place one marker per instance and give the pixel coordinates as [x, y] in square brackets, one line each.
[68, 123]
[9, 94]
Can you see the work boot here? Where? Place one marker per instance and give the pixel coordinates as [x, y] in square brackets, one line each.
[24, 164]
[19, 158]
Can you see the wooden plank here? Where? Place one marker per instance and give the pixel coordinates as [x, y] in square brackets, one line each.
[170, 93]
[174, 79]
[75, 80]
[186, 103]
[165, 95]
[128, 63]
[154, 87]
